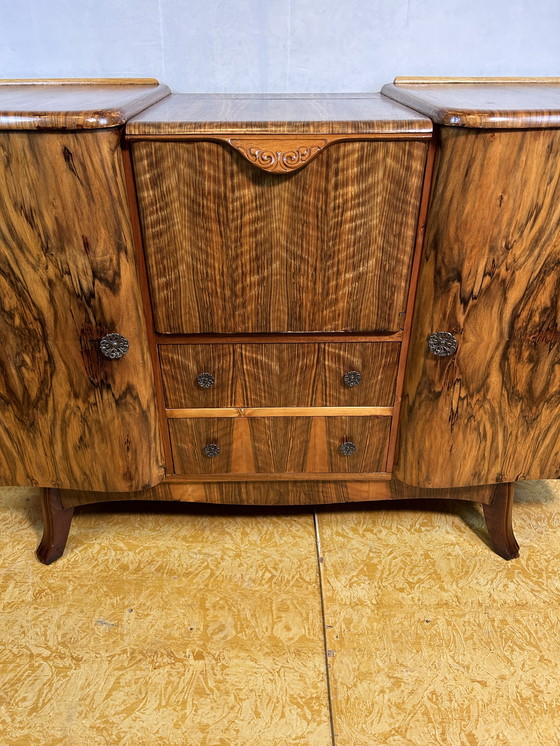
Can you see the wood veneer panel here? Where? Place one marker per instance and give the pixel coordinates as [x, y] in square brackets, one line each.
[233, 249]
[306, 492]
[370, 435]
[344, 114]
[280, 445]
[285, 492]
[484, 103]
[180, 366]
[79, 104]
[189, 437]
[490, 276]
[279, 375]
[68, 416]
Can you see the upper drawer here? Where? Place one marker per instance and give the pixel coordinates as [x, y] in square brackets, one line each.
[280, 375]
[232, 248]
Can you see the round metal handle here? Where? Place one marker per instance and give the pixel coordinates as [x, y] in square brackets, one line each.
[211, 450]
[352, 378]
[347, 448]
[205, 380]
[114, 346]
[442, 344]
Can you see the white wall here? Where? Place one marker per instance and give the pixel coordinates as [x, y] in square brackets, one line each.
[278, 45]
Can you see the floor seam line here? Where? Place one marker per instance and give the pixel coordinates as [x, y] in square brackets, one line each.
[324, 622]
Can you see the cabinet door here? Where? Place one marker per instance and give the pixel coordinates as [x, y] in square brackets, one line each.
[231, 248]
[490, 275]
[68, 416]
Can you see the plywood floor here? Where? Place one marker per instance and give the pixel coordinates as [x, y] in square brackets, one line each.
[177, 624]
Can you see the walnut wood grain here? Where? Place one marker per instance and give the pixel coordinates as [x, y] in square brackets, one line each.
[312, 114]
[231, 249]
[413, 284]
[68, 416]
[490, 276]
[284, 492]
[180, 366]
[501, 103]
[279, 375]
[242, 493]
[146, 304]
[79, 104]
[271, 445]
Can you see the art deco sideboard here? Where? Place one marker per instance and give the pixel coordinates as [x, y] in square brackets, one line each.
[278, 299]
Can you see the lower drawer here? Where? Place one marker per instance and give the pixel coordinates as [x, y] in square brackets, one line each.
[279, 445]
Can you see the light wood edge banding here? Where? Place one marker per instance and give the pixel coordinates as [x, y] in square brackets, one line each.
[379, 476]
[276, 338]
[211, 412]
[403, 80]
[79, 81]
[292, 138]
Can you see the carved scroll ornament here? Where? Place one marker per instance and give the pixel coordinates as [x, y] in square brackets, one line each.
[281, 155]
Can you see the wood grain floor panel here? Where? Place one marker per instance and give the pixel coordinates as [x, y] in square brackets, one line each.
[432, 639]
[201, 625]
[180, 627]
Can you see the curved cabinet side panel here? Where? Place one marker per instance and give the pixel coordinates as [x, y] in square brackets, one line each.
[490, 275]
[69, 417]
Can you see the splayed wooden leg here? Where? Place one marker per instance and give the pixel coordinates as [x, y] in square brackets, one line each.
[56, 525]
[498, 521]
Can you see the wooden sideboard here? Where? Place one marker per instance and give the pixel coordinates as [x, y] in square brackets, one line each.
[255, 300]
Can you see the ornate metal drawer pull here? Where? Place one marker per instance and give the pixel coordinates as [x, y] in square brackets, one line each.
[114, 346]
[347, 448]
[352, 378]
[211, 450]
[205, 380]
[442, 344]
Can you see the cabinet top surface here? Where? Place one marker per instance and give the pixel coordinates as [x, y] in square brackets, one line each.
[487, 103]
[337, 114]
[74, 104]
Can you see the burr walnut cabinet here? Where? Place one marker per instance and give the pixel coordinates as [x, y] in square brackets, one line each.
[255, 300]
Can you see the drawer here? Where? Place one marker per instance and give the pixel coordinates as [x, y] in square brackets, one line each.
[280, 375]
[279, 445]
[234, 249]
